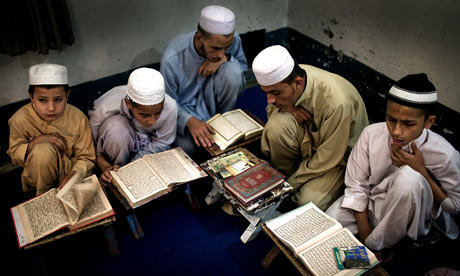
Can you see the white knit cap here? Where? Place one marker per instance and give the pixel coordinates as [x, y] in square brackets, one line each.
[272, 65]
[146, 86]
[48, 74]
[217, 20]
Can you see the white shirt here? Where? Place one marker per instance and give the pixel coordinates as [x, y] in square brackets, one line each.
[157, 138]
[369, 163]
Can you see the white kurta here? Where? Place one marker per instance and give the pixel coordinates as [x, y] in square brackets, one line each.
[143, 140]
[399, 200]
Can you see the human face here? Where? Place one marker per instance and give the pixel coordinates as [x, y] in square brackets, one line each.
[146, 115]
[213, 47]
[405, 123]
[284, 95]
[49, 104]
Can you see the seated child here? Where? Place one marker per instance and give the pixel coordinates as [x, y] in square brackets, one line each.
[132, 120]
[401, 178]
[49, 138]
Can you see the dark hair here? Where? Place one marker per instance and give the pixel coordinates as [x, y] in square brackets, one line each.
[48, 86]
[426, 110]
[133, 103]
[296, 72]
[206, 34]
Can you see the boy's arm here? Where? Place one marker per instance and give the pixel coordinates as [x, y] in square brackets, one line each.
[84, 155]
[18, 142]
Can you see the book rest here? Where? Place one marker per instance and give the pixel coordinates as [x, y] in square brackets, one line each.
[256, 213]
[280, 247]
[130, 212]
[35, 248]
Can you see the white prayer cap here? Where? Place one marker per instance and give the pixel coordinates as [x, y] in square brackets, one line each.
[217, 20]
[272, 65]
[48, 74]
[146, 86]
[413, 90]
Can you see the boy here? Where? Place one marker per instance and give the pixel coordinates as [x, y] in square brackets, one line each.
[132, 120]
[49, 138]
[401, 177]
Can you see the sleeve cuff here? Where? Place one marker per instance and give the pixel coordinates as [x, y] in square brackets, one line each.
[358, 205]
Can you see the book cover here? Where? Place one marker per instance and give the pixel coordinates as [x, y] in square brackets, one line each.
[254, 182]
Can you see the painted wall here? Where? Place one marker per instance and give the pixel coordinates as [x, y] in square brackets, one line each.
[113, 36]
[394, 37]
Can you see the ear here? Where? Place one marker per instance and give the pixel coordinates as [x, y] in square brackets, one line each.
[68, 94]
[128, 103]
[298, 83]
[430, 121]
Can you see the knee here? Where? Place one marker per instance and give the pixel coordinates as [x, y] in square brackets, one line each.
[43, 154]
[408, 183]
[116, 130]
[231, 73]
[280, 127]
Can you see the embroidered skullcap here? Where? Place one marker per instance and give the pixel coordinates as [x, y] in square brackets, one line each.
[272, 65]
[413, 90]
[48, 74]
[146, 86]
[217, 20]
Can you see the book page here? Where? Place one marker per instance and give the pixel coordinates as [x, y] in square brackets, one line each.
[39, 217]
[97, 207]
[76, 193]
[242, 121]
[174, 166]
[137, 181]
[226, 133]
[302, 227]
[320, 258]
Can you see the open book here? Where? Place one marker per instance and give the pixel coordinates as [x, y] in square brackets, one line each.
[312, 235]
[232, 126]
[154, 175]
[79, 203]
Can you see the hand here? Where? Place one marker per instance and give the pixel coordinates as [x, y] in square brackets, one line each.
[66, 179]
[105, 176]
[56, 140]
[201, 132]
[300, 114]
[415, 160]
[209, 68]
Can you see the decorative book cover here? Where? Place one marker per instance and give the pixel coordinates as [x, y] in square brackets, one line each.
[254, 182]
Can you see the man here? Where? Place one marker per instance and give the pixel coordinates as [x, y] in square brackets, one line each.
[401, 177]
[203, 72]
[50, 138]
[315, 117]
[130, 121]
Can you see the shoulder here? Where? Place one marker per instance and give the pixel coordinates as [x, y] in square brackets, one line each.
[170, 105]
[22, 115]
[74, 112]
[178, 44]
[439, 144]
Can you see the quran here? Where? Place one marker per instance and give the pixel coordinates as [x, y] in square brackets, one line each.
[155, 174]
[252, 183]
[233, 126]
[312, 236]
[78, 203]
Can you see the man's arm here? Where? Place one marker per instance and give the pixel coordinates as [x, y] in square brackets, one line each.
[334, 132]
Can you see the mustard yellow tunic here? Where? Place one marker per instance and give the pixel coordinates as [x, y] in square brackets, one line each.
[45, 166]
[313, 154]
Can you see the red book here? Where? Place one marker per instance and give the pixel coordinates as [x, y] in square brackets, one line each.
[254, 182]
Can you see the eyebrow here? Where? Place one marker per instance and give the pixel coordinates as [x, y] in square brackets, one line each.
[405, 121]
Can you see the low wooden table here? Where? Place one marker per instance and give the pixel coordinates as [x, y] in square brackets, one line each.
[280, 247]
[37, 257]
